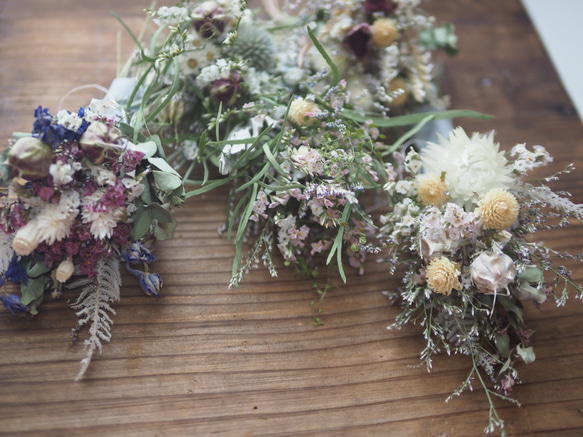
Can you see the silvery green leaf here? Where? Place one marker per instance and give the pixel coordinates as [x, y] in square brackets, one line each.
[527, 354]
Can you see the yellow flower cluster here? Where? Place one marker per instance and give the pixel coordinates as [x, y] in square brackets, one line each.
[499, 209]
[443, 276]
[384, 32]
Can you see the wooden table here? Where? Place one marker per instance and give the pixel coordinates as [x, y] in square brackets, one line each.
[208, 360]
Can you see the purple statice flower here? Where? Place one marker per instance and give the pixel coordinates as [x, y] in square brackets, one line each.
[137, 253]
[121, 233]
[14, 304]
[52, 253]
[115, 196]
[131, 159]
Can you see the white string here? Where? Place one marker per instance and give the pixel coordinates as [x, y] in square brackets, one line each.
[79, 88]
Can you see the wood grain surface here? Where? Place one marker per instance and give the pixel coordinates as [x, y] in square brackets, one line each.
[208, 360]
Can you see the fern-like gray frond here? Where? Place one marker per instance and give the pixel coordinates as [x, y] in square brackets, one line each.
[93, 306]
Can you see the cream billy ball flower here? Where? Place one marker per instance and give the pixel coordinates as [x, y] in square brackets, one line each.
[443, 276]
[472, 166]
[492, 272]
[431, 190]
[303, 112]
[384, 32]
[499, 209]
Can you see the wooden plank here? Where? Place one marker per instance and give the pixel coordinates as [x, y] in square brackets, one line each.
[208, 360]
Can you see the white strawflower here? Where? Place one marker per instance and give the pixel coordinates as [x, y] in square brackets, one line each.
[62, 173]
[472, 166]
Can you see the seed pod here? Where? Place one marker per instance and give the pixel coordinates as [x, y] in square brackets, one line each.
[30, 158]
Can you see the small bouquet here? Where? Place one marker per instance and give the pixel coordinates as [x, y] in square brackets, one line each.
[461, 223]
[277, 107]
[82, 194]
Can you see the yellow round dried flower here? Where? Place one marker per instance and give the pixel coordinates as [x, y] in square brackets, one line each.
[399, 83]
[431, 190]
[499, 209]
[384, 32]
[443, 276]
[302, 112]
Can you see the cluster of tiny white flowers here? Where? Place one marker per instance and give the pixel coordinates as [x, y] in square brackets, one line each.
[170, 16]
[527, 160]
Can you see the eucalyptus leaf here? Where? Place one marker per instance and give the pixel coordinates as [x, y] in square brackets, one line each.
[158, 212]
[148, 148]
[527, 354]
[142, 223]
[166, 181]
[33, 289]
[165, 231]
[40, 268]
[162, 164]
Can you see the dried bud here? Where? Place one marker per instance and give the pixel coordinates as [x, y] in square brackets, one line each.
[100, 142]
[173, 111]
[209, 20]
[27, 239]
[492, 273]
[357, 40]
[30, 158]
[227, 90]
[65, 270]
[386, 7]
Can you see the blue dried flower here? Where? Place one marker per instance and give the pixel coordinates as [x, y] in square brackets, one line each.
[16, 272]
[150, 283]
[14, 305]
[47, 131]
[137, 253]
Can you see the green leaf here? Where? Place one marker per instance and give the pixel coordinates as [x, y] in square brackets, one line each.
[158, 212]
[333, 67]
[40, 268]
[33, 289]
[166, 181]
[162, 164]
[405, 120]
[209, 186]
[409, 134]
[527, 354]
[142, 223]
[165, 230]
[503, 345]
[148, 148]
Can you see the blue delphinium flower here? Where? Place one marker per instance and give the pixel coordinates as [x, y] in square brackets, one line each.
[47, 131]
[14, 305]
[150, 283]
[137, 253]
[16, 272]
